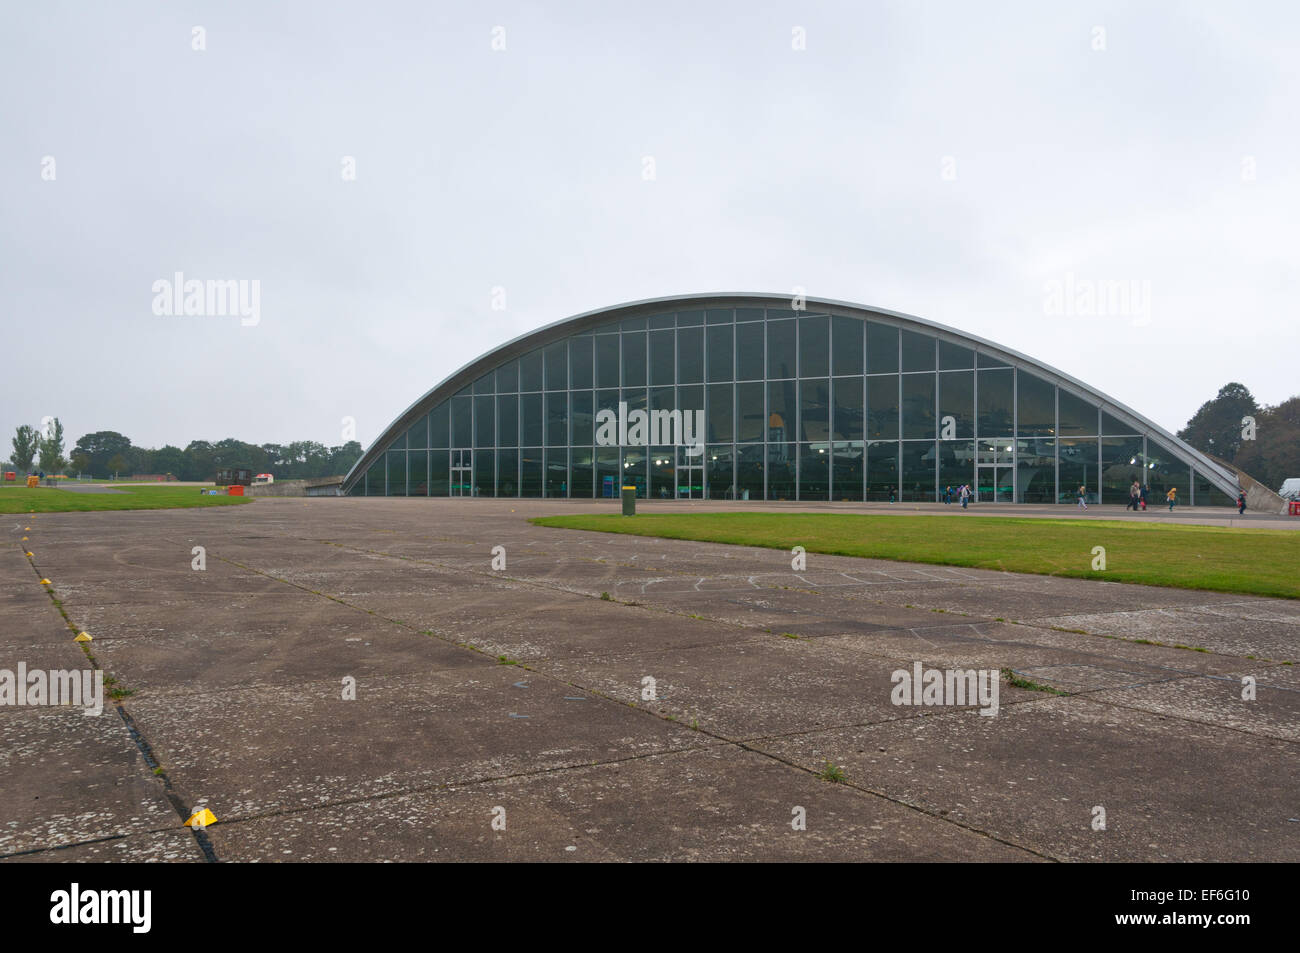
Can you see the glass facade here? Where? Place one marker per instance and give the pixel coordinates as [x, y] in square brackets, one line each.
[769, 403]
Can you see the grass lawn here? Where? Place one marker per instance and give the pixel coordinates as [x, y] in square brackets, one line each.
[1257, 561]
[137, 496]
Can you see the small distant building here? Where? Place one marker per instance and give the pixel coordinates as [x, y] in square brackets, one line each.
[153, 477]
[234, 476]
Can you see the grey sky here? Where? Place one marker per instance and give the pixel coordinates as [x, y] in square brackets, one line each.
[775, 167]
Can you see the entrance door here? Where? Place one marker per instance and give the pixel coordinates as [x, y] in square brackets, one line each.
[690, 475]
[993, 484]
[462, 473]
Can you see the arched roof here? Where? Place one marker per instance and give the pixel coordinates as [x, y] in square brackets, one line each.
[1224, 479]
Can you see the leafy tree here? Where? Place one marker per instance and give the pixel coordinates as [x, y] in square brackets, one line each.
[51, 448]
[117, 464]
[1216, 427]
[26, 442]
[101, 447]
[80, 462]
[1274, 454]
[168, 459]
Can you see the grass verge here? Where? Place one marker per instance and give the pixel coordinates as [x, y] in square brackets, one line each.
[1222, 559]
[20, 499]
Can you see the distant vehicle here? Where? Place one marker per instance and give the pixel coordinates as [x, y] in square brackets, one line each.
[1290, 489]
[262, 479]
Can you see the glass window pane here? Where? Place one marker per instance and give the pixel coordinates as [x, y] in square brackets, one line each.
[417, 438]
[957, 400]
[508, 420]
[956, 467]
[583, 421]
[485, 423]
[749, 314]
[530, 371]
[634, 470]
[530, 419]
[919, 471]
[661, 357]
[918, 405]
[882, 408]
[781, 410]
[690, 355]
[749, 471]
[1078, 467]
[750, 415]
[582, 472]
[1114, 426]
[814, 471]
[485, 383]
[689, 318]
[815, 410]
[846, 419]
[1121, 467]
[846, 345]
[661, 321]
[580, 361]
[780, 349]
[508, 378]
[507, 473]
[663, 473]
[461, 417]
[557, 472]
[398, 442]
[781, 471]
[882, 348]
[720, 352]
[847, 471]
[720, 477]
[557, 420]
[1165, 472]
[1035, 405]
[918, 351]
[530, 476]
[882, 469]
[634, 324]
[1036, 470]
[634, 349]
[557, 366]
[995, 403]
[438, 475]
[396, 472]
[718, 316]
[607, 473]
[375, 477]
[988, 360]
[814, 345]
[1078, 416]
[485, 473]
[607, 360]
[439, 428]
[749, 352]
[954, 357]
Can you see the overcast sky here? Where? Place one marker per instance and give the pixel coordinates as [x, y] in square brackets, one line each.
[948, 160]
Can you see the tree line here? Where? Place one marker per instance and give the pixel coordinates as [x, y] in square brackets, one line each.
[107, 454]
[1261, 440]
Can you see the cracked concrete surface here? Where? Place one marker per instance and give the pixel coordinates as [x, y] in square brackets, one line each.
[521, 690]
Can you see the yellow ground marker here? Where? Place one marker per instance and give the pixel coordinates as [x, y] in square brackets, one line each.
[30, 553]
[201, 819]
[46, 582]
[23, 540]
[84, 637]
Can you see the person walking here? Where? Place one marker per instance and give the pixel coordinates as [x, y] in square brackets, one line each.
[1134, 493]
[1083, 501]
[1241, 503]
[1142, 496]
[947, 495]
[1172, 497]
[964, 494]
[893, 495]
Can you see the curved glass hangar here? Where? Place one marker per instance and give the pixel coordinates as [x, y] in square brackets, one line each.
[742, 397]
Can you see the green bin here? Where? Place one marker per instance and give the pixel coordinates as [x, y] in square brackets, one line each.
[629, 501]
